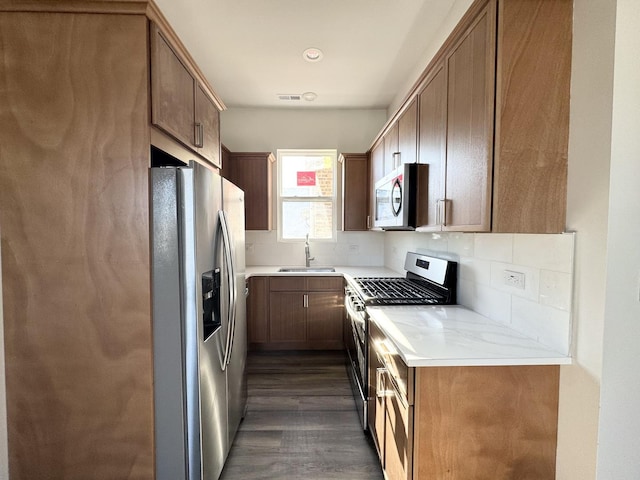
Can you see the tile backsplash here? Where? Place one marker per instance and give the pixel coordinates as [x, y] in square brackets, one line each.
[540, 308]
[357, 249]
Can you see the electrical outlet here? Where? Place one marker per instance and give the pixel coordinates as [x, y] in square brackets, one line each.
[513, 279]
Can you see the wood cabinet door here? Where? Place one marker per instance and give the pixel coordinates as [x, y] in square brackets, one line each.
[408, 134]
[355, 192]
[376, 404]
[252, 172]
[172, 91]
[398, 438]
[377, 163]
[325, 314]
[287, 317]
[470, 105]
[207, 120]
[391, 148]
[433, 141]
[258, 310]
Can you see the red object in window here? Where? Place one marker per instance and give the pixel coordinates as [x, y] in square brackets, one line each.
[306, 179]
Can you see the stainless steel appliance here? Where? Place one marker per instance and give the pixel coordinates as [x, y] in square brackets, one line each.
[401, 198]
[199, 324]
[428, 281]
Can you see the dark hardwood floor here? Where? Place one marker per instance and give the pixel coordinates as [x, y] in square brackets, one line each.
[301, 422]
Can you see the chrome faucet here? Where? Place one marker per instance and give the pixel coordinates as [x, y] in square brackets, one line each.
[307, 253]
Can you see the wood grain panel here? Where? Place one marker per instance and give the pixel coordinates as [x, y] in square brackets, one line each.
[471, 72]
[325, 316]
[532, 121]
[75, 245]
[252, 172]
[208, 115]
[355, 191]
[486, 423]
[258, 310]
[408, 134]
[432, 137]
[287, 283]
[287, 321]
[315, 283]
[391, 147]
[172, 91]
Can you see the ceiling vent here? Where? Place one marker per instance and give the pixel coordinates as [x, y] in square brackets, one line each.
[291, 97]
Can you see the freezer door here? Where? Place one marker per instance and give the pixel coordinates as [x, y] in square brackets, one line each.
[233, 206]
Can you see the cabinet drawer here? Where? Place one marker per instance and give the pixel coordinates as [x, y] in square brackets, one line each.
[325, 283]
[287, 284]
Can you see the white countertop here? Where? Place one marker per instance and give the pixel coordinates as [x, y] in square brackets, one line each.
[340, 270]
[455, 336]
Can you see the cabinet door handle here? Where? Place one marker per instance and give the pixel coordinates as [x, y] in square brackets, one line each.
[381, 390]
[305, 301]
[199, 135]
[368, 221]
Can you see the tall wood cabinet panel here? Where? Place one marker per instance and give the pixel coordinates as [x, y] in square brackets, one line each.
[532, 115]
[252, 172]
[355, 191]
[75, 245]
[470, 106]
[432, 139]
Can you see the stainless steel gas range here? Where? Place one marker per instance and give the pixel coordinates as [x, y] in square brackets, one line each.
[428, 281]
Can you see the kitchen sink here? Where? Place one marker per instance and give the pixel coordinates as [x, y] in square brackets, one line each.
[307, 269]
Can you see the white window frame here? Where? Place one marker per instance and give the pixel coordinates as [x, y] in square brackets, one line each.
[333, 198]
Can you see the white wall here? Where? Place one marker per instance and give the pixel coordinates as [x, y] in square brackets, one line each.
[619, 453]
[587, 206]
[458, 9]
[268, 129]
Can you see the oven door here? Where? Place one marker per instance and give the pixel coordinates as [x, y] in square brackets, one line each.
[356, 343]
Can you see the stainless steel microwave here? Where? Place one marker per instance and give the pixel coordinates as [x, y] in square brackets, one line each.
[401, 198]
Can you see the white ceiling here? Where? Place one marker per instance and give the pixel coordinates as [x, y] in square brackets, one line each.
[251, 50]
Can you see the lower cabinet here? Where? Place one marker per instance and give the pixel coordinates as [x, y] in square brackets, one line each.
[295, 313]
[461, 423]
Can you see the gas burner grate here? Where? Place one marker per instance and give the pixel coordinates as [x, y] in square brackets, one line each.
[397, 291]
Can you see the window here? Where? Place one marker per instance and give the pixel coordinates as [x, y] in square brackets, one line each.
[306, 194]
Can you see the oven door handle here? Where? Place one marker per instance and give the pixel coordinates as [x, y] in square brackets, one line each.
[352, 313]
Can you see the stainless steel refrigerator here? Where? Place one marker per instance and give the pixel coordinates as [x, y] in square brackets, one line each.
[199, 320]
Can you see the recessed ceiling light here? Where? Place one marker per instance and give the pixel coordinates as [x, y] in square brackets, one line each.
[309, 96]
[312, 54]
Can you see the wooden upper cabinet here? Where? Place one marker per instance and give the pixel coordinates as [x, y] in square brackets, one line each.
[470, 105]
[532, 116]
[408, 134]
[432, 140]
[355, 191]
[179, 104]
[391, 150]
[252, 172]
[207, 127]
[172, 88]
[493, 125]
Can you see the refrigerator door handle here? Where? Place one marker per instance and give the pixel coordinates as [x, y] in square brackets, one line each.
[226, 242]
